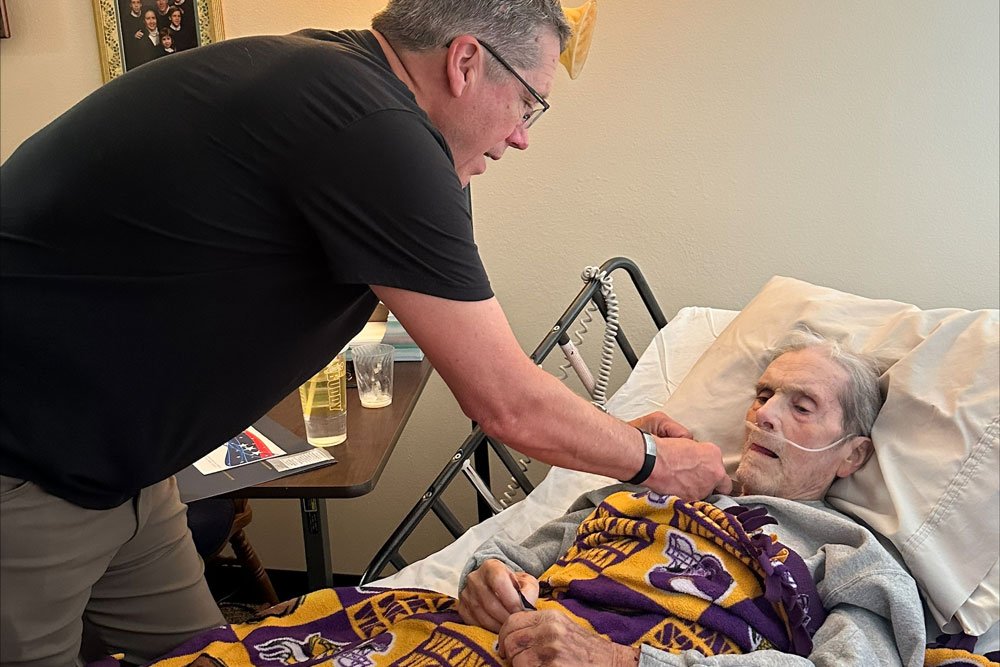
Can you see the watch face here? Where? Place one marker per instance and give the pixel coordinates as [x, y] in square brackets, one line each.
[650, 444]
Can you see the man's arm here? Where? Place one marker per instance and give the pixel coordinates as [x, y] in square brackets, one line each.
[496, 384]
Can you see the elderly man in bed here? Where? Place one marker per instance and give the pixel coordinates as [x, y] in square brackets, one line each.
[808, 425]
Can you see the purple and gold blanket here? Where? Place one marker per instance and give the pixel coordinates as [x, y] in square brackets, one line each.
[644, 569]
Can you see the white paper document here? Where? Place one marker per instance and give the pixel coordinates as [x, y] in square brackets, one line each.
[307, 458]
[250, 446]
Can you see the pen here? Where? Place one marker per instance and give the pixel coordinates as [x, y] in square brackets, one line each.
[527, 606]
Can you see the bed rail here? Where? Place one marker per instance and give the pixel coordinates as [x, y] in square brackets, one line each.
[473, 460]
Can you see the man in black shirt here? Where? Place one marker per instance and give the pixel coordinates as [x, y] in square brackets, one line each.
[324, 171]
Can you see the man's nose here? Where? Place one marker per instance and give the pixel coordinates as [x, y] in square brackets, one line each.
[518, 138]
[767, 415]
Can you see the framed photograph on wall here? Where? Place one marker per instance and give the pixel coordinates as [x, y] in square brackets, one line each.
[131, 33]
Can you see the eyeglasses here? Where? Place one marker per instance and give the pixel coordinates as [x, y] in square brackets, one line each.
[529, 118]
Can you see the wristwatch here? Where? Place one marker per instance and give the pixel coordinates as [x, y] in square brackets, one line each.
[648, 463]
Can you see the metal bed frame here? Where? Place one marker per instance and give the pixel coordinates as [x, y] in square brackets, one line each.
[473, 459]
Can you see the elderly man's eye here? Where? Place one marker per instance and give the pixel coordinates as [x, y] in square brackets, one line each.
[802, 410]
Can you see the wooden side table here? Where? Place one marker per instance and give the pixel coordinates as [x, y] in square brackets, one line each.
[371, 437]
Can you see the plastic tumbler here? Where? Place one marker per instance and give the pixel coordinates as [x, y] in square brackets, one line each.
[373, 373]
[324, 404]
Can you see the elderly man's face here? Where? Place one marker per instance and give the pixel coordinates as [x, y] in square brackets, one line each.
[798, 398]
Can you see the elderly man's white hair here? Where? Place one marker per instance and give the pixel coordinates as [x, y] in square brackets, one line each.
[860, 399]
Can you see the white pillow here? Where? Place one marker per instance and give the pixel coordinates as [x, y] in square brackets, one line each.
[932, 488]
[668, 358]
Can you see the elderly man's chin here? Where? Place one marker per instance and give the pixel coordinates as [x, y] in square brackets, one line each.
[756, 482]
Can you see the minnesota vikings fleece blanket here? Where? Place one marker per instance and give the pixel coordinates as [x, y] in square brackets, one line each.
[644, 569]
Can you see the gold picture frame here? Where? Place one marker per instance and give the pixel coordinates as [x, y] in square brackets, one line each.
[204, 19]
[4, 25]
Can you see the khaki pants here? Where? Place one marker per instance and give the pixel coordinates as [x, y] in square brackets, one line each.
[131, 571]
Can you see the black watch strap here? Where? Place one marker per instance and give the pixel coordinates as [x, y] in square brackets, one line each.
[648, 463]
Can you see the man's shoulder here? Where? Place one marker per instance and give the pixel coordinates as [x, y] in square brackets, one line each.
[812, 520]
[358, 40]
[306, 82]
[805, 510]
[341, 52]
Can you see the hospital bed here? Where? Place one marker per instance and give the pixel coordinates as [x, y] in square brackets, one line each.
[931, 494]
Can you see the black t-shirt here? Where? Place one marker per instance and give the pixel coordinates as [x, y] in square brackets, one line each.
[189, 243]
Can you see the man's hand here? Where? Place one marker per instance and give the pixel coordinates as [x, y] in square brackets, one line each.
[550, 638]
[684, 467]
[689, 469]
[490, 594]
[659, 424]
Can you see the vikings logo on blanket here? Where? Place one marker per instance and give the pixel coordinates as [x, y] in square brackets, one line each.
[290, 651]
[700, 575]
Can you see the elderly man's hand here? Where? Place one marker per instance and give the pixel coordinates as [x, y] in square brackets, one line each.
[490, 594]
[659, 424]
[550, 638]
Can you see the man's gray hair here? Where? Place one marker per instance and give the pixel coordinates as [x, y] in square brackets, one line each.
[860, 399]
[510, 26]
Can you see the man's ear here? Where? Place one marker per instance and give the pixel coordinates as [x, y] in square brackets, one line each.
[860, 450]
[464, 64]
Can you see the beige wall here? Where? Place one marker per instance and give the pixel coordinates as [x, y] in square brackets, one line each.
[852, 144]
